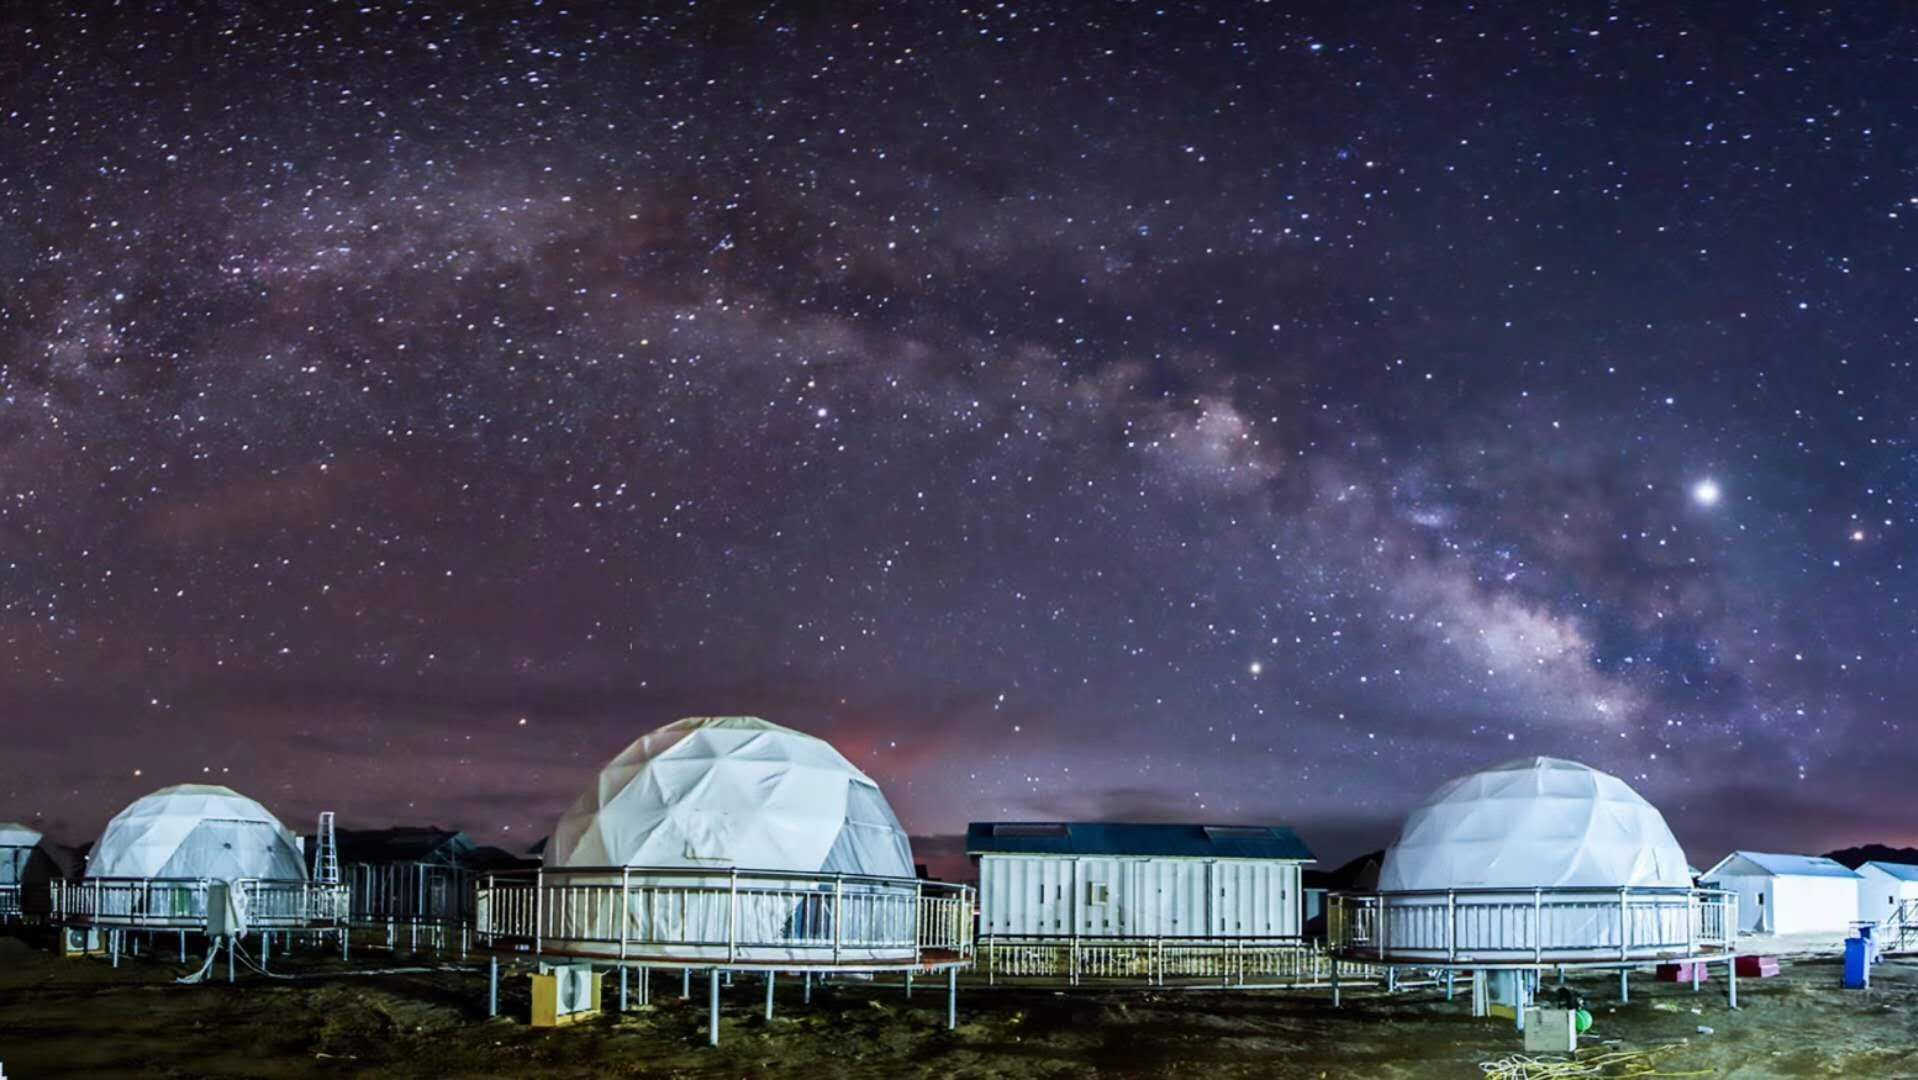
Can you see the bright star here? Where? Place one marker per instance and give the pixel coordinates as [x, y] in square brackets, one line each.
[1256, 667]
[1706, 493]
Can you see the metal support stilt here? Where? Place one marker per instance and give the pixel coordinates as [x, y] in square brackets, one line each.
[492, 986]
[1697, 968]
[622, 988]
[685, 984]
[183, 946]
[712, 1009]
[229, 959]
[952, 998]
[266, 951]
[808, 985]
[645, 985]
[770, 976]
[908, 985]
[346, 942]
[463, 931]
[1451, 977]
[1335, 982]
[1624, 985]
[1731, 981]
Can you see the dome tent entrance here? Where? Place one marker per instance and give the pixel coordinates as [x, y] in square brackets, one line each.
[1536, 861]
[736, 841]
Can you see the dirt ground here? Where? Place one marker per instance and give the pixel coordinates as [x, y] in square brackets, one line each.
[81, 1017]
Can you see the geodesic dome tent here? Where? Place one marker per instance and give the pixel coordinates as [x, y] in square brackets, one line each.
[1539, 860]
[17, 846]
[733, 792]
[28, 863]
[1534, 822]
[196, 831]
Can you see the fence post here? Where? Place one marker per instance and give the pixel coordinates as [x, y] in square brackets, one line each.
[625, 891]
[838, 912]
[732, 917]
[1624, 923]
[1451, 929]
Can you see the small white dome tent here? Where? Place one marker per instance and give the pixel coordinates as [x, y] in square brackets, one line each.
[196, 831]
[28, 863]
[1534, 822]
[733, 792]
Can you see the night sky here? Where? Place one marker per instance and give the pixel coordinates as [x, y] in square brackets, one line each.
[1184, 412]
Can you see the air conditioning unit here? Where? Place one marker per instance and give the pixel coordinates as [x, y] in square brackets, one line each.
[565, 994]
[80, 941]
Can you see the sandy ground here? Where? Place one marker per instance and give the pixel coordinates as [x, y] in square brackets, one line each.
[81, 1017]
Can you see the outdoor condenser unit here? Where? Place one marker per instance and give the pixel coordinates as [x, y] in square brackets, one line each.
[565, 994]
[79, 941]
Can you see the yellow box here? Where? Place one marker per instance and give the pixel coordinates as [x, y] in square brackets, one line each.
[547, 1010]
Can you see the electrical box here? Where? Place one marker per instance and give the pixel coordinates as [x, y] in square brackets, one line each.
[565, 994]
[1551, 1031]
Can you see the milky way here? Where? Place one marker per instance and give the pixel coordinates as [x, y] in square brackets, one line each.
[1190, 413]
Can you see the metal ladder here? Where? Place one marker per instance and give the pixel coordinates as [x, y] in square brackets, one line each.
[326, 856]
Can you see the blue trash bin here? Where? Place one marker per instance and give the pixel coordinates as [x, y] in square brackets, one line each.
[1857, 963]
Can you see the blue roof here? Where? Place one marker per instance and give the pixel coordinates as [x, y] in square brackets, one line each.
[1109, 838]
[1796, 865]
[1901, 871]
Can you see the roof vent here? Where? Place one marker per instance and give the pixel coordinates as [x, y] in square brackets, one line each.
[1040, 829]
[1237, 832]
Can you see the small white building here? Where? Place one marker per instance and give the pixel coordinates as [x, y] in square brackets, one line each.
[1883, 887]
[1788, 894]
[1095, 879]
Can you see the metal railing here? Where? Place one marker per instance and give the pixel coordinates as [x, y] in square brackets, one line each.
[410, 893]
[1571, 924]
[1900, 932]
[9, 902]
[1230, 961]
[697, 916]
[184, 903]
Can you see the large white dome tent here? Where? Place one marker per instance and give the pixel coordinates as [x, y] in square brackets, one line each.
[197, 831]
[730, 843]
[1537, 821]
[734, 792]
[1533, 863]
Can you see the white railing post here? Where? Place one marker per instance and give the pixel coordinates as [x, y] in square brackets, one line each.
[838, 912]
[732, 917]
[1538, 931]
[1451, 926]
[1624, 923]
[625, 892]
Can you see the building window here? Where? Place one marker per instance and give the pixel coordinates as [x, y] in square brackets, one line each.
[1098, 893]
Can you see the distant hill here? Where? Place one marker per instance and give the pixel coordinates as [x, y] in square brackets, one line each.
[1855, 857]
[1358, 875]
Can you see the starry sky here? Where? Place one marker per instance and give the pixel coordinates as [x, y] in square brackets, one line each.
[1216, 412]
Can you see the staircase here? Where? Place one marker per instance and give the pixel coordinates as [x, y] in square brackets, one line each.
[326, 854]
